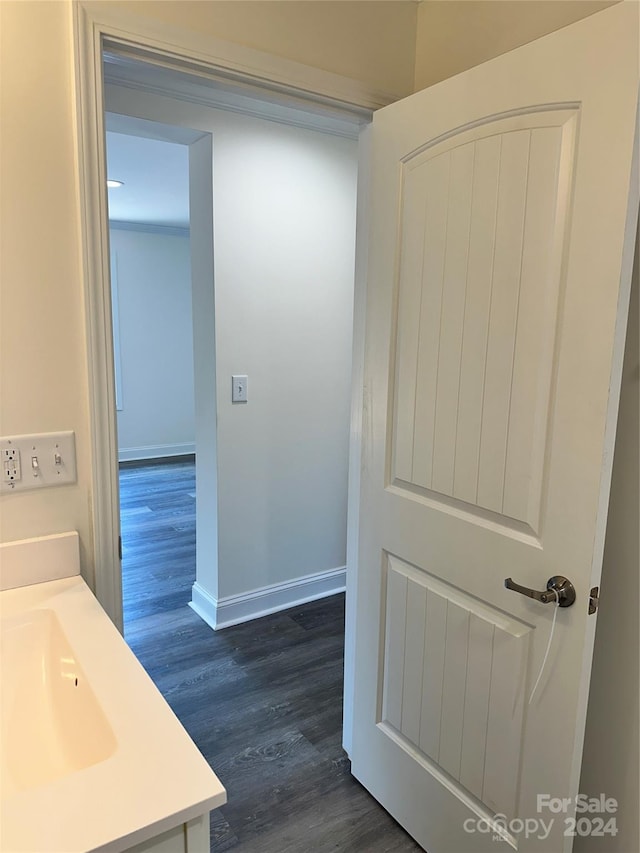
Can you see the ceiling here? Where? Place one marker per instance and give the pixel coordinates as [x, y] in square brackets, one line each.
[156, 181]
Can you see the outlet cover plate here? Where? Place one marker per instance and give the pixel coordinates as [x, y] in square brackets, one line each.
[55, 460]
[239, 388]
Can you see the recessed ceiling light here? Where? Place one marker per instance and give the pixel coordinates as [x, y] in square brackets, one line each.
[111, 184]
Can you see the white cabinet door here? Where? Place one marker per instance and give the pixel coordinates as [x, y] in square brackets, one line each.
[499, 269]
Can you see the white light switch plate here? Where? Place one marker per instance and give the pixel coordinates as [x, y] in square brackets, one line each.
[239, 389]
[45, 459]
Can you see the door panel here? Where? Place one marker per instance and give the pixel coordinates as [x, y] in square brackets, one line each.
[497, 286]
[453, 683]
[475, 330]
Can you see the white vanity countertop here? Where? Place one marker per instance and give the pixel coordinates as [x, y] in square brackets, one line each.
[153, 779]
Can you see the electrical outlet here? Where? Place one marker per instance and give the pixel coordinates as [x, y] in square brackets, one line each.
[11, 471]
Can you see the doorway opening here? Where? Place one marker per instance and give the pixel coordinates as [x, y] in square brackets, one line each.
[277, 307]
[253, 677]
[152, 319]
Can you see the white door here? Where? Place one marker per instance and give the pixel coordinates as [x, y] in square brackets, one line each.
[499, 250]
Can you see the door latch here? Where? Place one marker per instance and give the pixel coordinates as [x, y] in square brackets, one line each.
[594, 599]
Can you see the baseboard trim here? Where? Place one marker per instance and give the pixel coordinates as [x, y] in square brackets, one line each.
[236, 609]
[155, 451]
[150, 228]
[205, 605]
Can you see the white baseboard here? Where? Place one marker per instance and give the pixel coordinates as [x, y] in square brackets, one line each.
[235, 609]
[154, 451]
[205, 605]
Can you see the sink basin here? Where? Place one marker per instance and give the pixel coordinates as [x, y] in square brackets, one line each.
[51, 722]
[91, 755]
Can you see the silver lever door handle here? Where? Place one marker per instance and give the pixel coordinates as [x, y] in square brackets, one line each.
[566, 593]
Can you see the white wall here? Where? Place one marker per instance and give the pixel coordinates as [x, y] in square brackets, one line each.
[610, 760]
[43, 356]
[204, 355]
[455, 35]
[156, 343]
[284, 225]
[43, 363]
[284, 261]
[368, 40]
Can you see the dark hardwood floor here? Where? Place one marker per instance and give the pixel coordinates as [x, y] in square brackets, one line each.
[263, 700]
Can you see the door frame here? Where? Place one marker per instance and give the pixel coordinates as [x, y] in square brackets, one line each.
[94, 26]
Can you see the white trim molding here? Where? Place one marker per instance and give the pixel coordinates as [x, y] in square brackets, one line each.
[92, 187]
[150, 228]
[237, 67]
[235, 609]
[122, 72]
[155, 451]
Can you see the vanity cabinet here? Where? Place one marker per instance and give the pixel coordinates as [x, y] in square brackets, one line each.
[191, 837]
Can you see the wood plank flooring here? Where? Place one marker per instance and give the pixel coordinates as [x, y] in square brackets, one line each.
[263, 700]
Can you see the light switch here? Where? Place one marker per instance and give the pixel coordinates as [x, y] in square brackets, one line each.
[238, 389]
